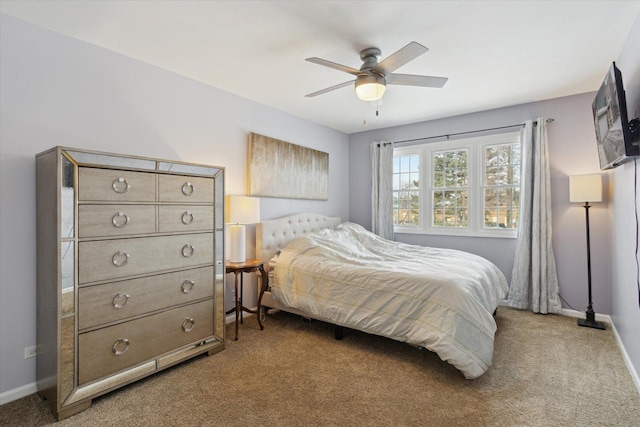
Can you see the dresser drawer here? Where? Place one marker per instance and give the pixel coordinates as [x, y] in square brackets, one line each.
[116, 185]
[108, 350]
[185, 218]
[114, 259]
[115, 301]
[185, 189]
[115, 220]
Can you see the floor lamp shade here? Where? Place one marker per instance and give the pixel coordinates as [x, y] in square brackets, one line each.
[585, 189]
[240, 210]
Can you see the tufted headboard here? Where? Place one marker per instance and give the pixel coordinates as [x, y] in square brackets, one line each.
[274, 234]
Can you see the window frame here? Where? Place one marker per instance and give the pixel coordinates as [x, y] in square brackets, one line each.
[476, 185]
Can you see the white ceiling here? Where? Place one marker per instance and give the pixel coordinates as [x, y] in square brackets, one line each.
[495, 53]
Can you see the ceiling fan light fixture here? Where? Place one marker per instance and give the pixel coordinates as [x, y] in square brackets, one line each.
[370, 87]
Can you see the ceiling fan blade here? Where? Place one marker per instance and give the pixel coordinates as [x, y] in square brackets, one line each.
[401, 57]
[329, 89]
[412, 80]
[335, 66]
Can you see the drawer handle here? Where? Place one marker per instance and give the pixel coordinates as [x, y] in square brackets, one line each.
[118, 348]
[188, 324]
[117, 298]
[188, 250]
[120, 185]
[120, 258]
[117, 220]
[187, 286]
[187, 217]
[187, 189]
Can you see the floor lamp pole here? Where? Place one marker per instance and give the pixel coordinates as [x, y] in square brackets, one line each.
[590, 320]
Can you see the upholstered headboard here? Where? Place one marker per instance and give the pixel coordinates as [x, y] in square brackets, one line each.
[274, 234]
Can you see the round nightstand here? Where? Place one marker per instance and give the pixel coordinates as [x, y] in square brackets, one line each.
[248, 266]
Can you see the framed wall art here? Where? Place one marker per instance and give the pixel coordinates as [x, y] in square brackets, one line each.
[283, 170]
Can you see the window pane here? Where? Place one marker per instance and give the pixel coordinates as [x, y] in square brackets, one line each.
[414, 180]
[415, 163]
[438, 179]
[404, 181]
[490, 176]
[503, 199]
[490, 218]
[516, 174]
[396, 181]
[438, 199]
[462, 178]
[515, 198]
[449, 178]
[461, 199]
[514, 218]
[438, 217]
[404, 164]
[490, 156]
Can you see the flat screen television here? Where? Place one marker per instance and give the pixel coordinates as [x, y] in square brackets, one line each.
[617, 137]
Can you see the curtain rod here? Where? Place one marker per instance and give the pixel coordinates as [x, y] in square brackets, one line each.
[464, 133]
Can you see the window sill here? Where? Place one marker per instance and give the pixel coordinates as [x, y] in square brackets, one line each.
[510, 234]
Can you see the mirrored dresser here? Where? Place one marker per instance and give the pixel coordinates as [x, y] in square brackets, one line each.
[130, 270]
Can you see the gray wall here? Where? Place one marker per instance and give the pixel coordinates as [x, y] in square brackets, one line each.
[55, 90]
[624, 283]
[572, 151]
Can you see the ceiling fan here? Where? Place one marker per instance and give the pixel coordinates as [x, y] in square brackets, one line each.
[372, 78]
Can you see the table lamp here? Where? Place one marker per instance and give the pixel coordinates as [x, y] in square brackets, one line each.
[240, 210]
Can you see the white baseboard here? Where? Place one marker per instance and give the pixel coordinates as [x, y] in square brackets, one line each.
[18, 393]
[625, 356]
[581, 314]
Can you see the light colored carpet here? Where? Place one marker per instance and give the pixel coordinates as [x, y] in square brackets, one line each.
[547, 371]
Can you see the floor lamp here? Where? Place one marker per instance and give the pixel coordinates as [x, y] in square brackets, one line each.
[240, 210]
[587, 188]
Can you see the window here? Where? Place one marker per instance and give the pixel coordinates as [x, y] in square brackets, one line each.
[467, 187]
[406, 196]
[501, 185]
[450, 188]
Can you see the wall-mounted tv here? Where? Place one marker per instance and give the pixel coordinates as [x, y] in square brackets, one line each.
[617, 138]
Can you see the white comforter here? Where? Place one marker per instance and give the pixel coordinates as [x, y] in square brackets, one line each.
[440, 299]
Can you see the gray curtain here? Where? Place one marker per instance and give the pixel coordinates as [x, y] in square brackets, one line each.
[534, 280]
[382, 189]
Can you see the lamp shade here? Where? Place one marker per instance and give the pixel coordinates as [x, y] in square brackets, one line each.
[242, 210]
[370, 88]
[585, 188]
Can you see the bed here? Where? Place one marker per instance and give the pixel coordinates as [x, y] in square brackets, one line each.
[439, 299]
